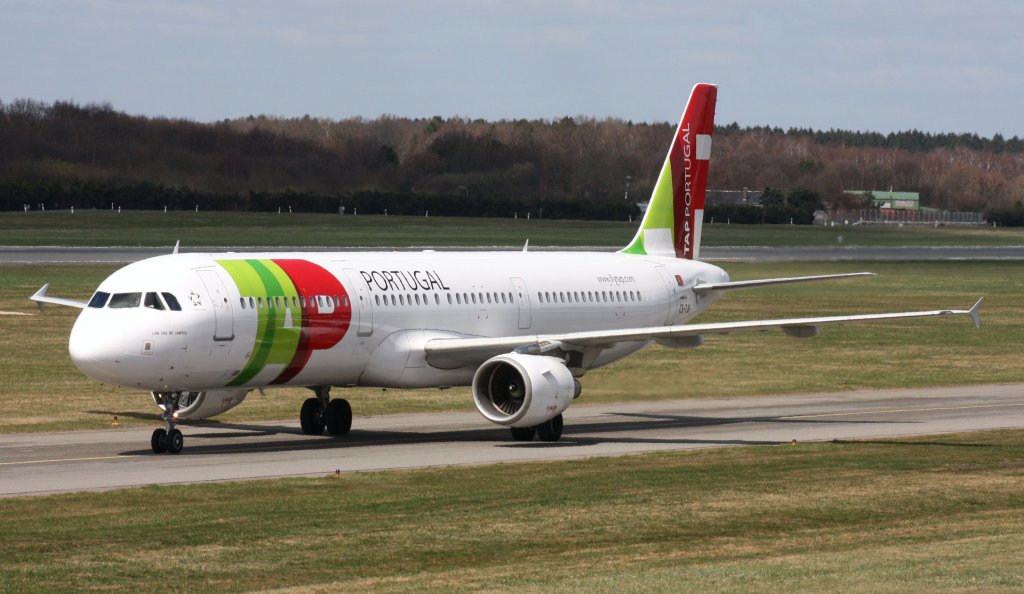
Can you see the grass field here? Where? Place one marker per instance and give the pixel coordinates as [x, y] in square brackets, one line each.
[904, 515]
[102, 228]
[42, 390]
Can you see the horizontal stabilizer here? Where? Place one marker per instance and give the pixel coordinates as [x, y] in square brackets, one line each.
[766, 282]
[42, 299]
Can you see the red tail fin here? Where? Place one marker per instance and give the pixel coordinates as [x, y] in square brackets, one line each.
[675, 214]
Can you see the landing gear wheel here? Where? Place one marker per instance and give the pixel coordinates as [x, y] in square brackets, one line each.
[523, 433]
[338, 417]
[175, 441]
[551, 430]
[159, 441]
[311, 418]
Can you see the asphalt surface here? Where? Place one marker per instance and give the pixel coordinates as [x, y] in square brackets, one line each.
[125, 255]
[42, 463]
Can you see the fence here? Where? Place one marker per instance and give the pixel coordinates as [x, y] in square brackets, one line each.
[900, 217]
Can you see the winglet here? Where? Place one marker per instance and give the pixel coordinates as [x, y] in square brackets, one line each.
[40, 297]
[975, 313]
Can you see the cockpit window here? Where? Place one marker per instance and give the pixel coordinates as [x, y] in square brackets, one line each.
[125, 300]
[172, 302]
[99, 299]
[152, 301]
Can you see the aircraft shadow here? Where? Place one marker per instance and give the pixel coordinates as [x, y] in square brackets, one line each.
[238, 437]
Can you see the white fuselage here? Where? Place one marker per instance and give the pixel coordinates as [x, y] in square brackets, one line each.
[341, 319]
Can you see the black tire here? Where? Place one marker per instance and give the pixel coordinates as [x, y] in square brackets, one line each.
[523, 433]
[551, 430]
[338, 417]
[310, 418]
[175, 441]
[159, 441]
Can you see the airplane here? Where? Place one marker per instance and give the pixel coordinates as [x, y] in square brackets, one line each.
[200, 331]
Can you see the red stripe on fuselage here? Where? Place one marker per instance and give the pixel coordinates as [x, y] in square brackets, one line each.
[322, 326]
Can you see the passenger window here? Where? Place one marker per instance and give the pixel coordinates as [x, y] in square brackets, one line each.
[99, 299]
[344, 300]
[449, 298]
[125, 300]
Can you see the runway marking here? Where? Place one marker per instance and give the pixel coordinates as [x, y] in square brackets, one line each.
[69, 459]
[899, 410]
[15, 313]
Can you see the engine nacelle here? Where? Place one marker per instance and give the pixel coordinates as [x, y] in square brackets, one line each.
[517, 390]
[200, 405]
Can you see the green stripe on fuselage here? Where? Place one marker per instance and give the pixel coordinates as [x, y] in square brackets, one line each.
[278, 327]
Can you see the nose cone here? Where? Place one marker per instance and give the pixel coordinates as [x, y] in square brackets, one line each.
[95, 349]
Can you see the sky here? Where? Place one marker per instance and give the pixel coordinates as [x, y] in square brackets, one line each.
[931, 65]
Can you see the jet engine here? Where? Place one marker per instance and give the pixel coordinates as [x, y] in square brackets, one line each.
[517, 390]
[207, 403]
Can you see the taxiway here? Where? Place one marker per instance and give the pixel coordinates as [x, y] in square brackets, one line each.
[43, 463]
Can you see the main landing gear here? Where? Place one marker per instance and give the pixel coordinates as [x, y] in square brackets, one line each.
[550, 430]
[321, 413]
[168, 440]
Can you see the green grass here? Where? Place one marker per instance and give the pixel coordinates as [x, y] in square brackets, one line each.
[42, 390]
[143, 228]
[904, 515]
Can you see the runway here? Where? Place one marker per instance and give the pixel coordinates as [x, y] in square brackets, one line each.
[43, 463]
[125, 255]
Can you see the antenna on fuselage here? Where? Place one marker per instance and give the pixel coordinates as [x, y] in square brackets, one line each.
[526, 245]
[176, 245]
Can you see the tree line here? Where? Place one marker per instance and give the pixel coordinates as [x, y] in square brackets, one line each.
[104, 195]
[94, 155]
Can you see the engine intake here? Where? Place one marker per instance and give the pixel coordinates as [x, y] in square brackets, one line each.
[517, 390]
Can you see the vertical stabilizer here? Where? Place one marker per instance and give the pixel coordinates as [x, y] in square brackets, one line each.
[675, 214]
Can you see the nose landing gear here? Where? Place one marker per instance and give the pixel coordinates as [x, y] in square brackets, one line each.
[169, 439]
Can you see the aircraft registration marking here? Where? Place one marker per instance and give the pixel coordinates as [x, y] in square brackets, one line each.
[898, 410]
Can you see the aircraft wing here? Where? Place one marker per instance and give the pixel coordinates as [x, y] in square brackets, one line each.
[42, 299]
[450, 353]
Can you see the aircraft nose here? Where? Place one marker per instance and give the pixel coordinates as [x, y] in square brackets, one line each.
[94, 349]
